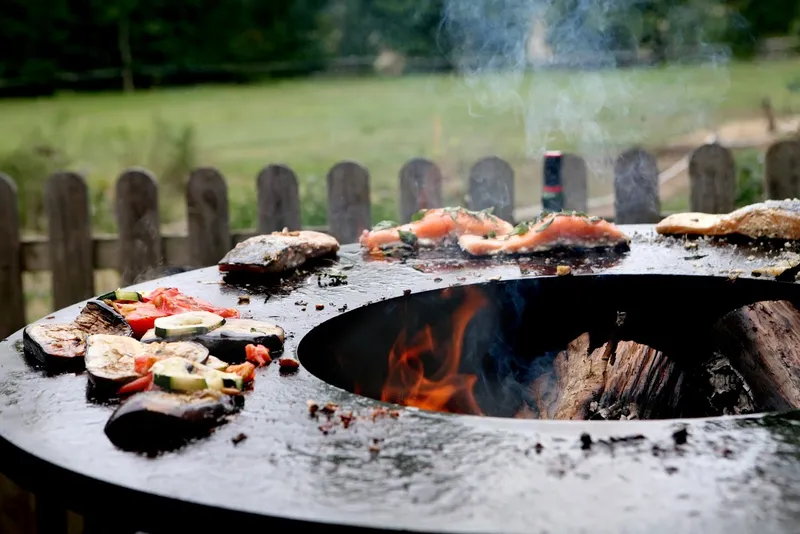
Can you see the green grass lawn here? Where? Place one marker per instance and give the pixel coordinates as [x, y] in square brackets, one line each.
[311, 124]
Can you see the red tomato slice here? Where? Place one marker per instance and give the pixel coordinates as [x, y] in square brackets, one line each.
[143, 317]
[140, 384]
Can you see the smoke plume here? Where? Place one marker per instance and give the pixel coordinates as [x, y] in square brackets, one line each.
[562, 67]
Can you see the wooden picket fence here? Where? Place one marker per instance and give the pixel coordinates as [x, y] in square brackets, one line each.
[139, 250]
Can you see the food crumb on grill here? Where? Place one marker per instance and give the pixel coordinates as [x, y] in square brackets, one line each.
[494, 279]
[301, 303]
[288, 365]
[319, 307]
[374, 449]
[50, 317]
[238, 438]
[406, 292]
[343, 308]
[689, 245]
[538, 448]
[244, 299]
[563, 270]
[586, 441]
[437, 279]
[680, 436]
[329, 408]
[312, 406]
[346, 418]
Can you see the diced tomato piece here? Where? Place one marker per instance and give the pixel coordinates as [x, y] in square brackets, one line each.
[140, 384]
[143, 363]
[246, 370]
[258, 354]
[142, 317]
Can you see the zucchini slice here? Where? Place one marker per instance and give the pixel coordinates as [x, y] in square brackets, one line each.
[179, 374]
[216, 364]
[193, 323]
[121, 294]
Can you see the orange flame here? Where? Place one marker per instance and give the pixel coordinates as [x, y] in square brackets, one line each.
[445, 389]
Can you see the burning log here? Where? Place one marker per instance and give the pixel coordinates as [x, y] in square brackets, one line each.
[622, 379]
[628, 380]
[763, 342]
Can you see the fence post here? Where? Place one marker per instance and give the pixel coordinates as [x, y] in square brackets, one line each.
[12, 316]
[139, 225]
[712, 178]
[636, 196]
[207, 211]
[278, 199]
[491, 184]
[420, 187]
[575, 183]
[69, 247]
[782, 170]
[349, 210]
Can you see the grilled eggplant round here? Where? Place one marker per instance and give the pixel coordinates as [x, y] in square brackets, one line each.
[229, 340]
[55, 344]
[110, 360]
[64, 344]
[155, 421]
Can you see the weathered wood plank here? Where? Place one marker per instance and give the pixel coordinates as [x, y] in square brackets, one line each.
[782, 170]
[491, 185]
[420, 187]
[349, 209]
[575, 181]
[278, 199]
[12, 317]
[636, 195]
[69, 226]
[712, 178]
[139, 225]
[208, 220]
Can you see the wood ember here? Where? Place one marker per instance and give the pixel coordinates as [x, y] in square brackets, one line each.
[626, 380]
[762, 342]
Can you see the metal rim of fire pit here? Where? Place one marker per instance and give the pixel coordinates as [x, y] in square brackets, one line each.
[434, 472]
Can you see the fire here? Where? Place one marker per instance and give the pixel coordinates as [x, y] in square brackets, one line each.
[445, 389]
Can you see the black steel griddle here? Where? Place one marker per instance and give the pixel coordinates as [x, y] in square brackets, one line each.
[433, 472]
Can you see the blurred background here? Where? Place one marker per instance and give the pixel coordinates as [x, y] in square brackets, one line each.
[96, 87]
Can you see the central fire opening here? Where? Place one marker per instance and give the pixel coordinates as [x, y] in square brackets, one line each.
[574, 347]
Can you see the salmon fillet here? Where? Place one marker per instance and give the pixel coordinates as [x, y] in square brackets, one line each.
[433, 227]
[552, 231]
[278, 251]
[773, 219]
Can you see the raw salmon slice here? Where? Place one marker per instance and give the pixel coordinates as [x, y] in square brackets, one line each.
[772, 219]
[434, 226]
[552, 231]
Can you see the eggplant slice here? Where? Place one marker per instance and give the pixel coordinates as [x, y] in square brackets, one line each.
[97, 317]
[65, 343]
[156, 421]
[229, 340]
[110, 360]
[55, 343]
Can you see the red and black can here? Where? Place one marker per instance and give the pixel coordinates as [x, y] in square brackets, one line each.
[553, 189]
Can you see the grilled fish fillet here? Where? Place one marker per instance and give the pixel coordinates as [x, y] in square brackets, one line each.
[278, 252]
[436, 226]
[773, 219]
[553, 231]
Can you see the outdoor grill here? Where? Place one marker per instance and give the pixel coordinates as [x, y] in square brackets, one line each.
[382, 466]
